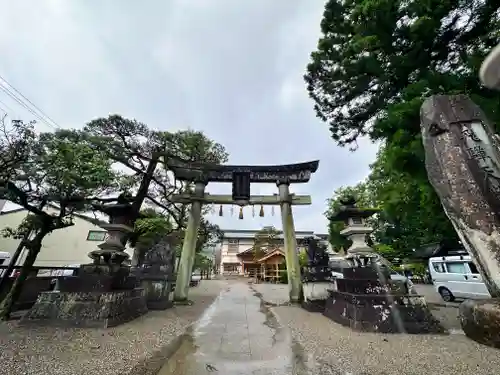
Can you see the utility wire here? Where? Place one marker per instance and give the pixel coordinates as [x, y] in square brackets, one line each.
[31, 103]
[24, 105]
[6, 106]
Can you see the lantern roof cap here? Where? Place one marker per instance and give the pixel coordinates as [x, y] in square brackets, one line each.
[350, 209]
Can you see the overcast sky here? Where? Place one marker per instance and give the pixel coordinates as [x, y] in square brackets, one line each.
[232, 69]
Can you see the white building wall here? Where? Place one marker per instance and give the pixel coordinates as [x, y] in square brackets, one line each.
[62, 247]
[229, 255]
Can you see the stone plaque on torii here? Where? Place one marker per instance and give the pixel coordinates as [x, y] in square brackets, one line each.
[241, 177]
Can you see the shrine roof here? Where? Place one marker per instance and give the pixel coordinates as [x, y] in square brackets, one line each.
[298, 172]
[271, 254]
[345, 213]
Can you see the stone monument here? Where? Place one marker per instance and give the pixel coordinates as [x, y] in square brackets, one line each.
[316, 276]
[104, 293]
[366, 299]
[155, 273]
[462, 158]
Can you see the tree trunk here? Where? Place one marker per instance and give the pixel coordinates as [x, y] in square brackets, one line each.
[11, 298]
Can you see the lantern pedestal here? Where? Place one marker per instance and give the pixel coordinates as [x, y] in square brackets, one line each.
[366, 300]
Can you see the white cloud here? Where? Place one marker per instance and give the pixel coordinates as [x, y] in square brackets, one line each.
[230, 68]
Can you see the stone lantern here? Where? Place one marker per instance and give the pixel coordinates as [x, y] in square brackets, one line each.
[356, 230]
[104, 293]
[111, 252]
[365, 298]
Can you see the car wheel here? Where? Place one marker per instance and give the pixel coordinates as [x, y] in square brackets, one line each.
[446, 295]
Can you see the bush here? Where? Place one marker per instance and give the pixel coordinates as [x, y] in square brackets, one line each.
[283, 277]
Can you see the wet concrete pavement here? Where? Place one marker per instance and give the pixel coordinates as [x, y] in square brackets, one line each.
[236, 335]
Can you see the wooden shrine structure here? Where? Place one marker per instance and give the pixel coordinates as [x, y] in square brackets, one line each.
[263, 267]
[200, 174]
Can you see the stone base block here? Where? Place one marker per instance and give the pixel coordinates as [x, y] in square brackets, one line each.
[480, 321]
[87, 309]
[315, 295]
[316, 306]
[382, 313]
[157, 293]
[316, 290]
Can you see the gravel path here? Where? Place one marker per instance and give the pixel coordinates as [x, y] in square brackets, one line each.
[330, 348]
[135, 348]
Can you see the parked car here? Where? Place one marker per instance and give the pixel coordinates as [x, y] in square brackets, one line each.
[195, 279]
[457, 277]
[55, 273]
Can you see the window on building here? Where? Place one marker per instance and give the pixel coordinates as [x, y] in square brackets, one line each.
[231, 267]
[96, 235]
[233, 245]
[455, 267]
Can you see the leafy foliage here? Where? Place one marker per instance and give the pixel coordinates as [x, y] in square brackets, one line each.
[209, 234]
[364, 199]
[151, 227]
[60, 174]
[378, 59]
[133, 145]
[303, 258]
[374, 65]
[202, 263]
[265, 240]
[17, 140]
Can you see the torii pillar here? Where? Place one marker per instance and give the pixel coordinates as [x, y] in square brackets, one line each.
[291, 254]
[186, 263]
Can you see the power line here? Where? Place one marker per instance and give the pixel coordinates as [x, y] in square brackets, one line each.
[24, 105]
[30, 102]
[6, 106]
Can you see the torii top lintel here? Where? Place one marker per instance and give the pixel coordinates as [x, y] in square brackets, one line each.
[293, 173]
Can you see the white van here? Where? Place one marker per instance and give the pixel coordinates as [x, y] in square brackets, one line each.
[457, 277]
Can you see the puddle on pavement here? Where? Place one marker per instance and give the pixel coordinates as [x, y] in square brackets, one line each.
[237, 334]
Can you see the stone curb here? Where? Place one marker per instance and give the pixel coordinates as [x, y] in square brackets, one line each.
[153, 363]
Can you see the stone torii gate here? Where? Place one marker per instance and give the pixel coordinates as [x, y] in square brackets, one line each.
[241, 177]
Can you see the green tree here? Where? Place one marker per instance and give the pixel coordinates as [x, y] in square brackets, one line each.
[378, 59]
[265, 240]
[364, 199]
[203, 264]
[303, 258]
[411, 213]
[150, 227]
[17, 140]
[59, 174]
[375, 63]
[132, 144]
